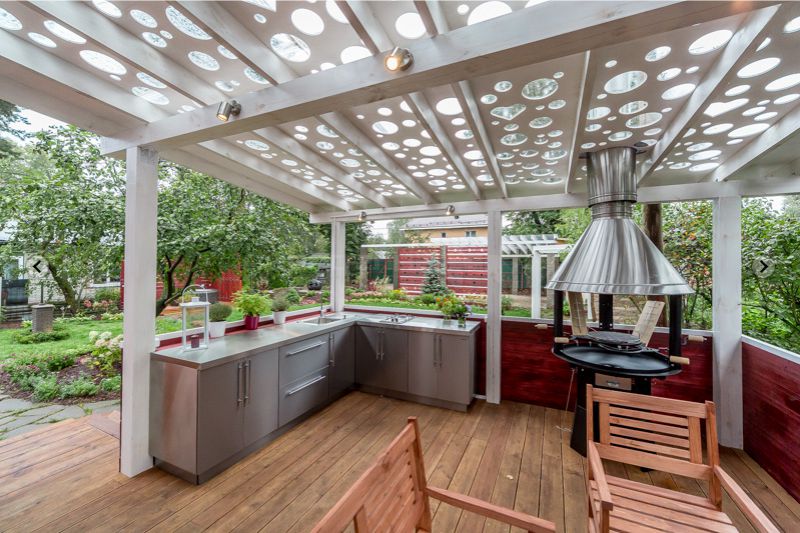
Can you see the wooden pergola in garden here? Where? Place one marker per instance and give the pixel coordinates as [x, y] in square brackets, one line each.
[294, 101]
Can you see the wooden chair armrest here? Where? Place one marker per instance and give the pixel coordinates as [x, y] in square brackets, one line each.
[489, 510]
[598, 473]
[743, 501]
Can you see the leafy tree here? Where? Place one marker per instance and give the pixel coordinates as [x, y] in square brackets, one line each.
[63, 202]
[356, 235]
[573, 223]
[687, 244]
[9, 114]
[533, 222]
[434, 278]
[206, 226]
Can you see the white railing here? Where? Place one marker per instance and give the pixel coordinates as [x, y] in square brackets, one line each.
[771, 348]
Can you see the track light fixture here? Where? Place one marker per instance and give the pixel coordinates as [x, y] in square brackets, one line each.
[226, 109]
[362, 216]
[450, 210]
[398, 59]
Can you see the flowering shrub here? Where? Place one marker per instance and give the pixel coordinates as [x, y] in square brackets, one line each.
[107, 351]
[451, 306]
[99, 307]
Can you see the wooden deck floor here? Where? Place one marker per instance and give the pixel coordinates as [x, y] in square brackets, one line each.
[64, 478]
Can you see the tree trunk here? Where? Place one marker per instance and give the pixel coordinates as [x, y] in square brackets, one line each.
[64, 286]
[653, 229]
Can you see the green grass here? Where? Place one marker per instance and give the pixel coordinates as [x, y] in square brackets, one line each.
[384, 302]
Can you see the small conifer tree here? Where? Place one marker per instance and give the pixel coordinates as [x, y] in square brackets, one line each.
[434, 278]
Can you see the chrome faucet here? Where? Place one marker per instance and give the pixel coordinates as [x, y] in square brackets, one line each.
[321, 305]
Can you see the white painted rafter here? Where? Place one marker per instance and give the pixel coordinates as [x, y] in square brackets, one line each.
[587, 84]
[126, 47]
[770, 139]
[427, 117]
[529, 36]
[744, 42]
[364, 22]
[350, 131]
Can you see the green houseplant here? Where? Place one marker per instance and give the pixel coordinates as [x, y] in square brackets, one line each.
[279, 307]
[252, 305]
[452, 307]
[218, 315]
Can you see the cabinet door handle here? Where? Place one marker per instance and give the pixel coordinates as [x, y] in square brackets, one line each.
[304, 385]
[435, 351]
[331, 353]
[440, 351]
[239, 383]
[247, 381]
[301, 350]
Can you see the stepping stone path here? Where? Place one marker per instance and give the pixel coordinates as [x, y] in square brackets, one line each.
[20, 416]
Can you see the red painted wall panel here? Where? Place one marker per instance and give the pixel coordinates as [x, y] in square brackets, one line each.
[771, 386]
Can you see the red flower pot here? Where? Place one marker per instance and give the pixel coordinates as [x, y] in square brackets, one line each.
[251, 322]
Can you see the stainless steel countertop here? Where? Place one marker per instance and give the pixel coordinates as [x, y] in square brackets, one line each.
[243, 344]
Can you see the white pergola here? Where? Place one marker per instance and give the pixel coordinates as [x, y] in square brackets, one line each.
[492, 116]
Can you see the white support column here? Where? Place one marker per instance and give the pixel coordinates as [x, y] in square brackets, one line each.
[494, 309]
[139, 321]
[536, 285]
[727, 319]
[338, 265]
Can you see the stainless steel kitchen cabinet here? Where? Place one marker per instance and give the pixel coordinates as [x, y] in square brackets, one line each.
[304, 377]
[441, 366]
[260, 373]
[341, 361]
[382, 358]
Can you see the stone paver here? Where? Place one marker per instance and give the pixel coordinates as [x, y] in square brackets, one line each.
[106, 406]
[70, 411]
[19, 421]
[11, 404]
[44, 410]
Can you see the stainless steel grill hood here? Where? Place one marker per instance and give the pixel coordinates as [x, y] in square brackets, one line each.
[614, 256]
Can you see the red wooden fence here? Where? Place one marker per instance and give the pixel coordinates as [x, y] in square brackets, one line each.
[466, 268]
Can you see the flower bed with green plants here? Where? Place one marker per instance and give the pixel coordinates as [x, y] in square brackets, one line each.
[68, 375]
[399, 299]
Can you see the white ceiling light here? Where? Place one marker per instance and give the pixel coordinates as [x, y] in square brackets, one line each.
[60, 31]
[792, 26]
[749, 130]
[538, 89]
[644, 120]
[757, 68]
[180, 21]
[203, 60]
[766, 116]
[678, 91]
[398, 59]
[290, 47]
[260, 18]
[487, 11]
[632, 107]
[716, 109]
[596, 113]
[103, 62]
[620, 136]
[710, 42]
[783, 83]
[668, 74]
[656, 54]
[448, 106]
[43, 40]
[699, 146]
[144, 18]
[307, 21]
[106, 7]
[255, 76]
[763, 44]
[717, 128]
[410, 25]
[735, 91]
[354, 53]
[785, 99]
[753, 111]
[385, 127]
[224, 52]
[9, 21]
[704, 155]
[150, 80]
[627, 81]
[154, 39]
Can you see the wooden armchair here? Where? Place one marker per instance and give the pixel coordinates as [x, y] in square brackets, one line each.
[660, 434]
[392, 495]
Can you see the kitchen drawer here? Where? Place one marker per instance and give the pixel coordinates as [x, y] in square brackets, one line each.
[302, 358]
[303, 395]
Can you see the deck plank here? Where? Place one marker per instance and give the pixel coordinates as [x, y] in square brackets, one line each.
[65, 477]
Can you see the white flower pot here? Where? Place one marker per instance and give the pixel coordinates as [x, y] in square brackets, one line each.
[217, 329]
[279, 317]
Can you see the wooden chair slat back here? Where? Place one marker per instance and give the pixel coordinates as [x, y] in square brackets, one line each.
[390, 492]
[651, 432]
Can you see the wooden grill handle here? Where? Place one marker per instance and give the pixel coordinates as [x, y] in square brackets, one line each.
[679, 360]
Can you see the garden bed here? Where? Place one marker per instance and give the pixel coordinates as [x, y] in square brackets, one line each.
[83, 371]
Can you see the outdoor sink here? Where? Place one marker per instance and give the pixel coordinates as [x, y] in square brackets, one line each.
[322, 320]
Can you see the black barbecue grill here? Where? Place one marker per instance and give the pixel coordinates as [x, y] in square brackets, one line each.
[614, 360]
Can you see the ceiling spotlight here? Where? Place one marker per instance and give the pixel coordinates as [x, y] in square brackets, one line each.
[450, 210]
[226, 109]
[362, 216]
[398, 59]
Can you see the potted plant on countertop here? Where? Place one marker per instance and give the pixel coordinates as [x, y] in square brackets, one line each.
[218, 314]
[252, 305]
[452, 307]
[279, 307]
